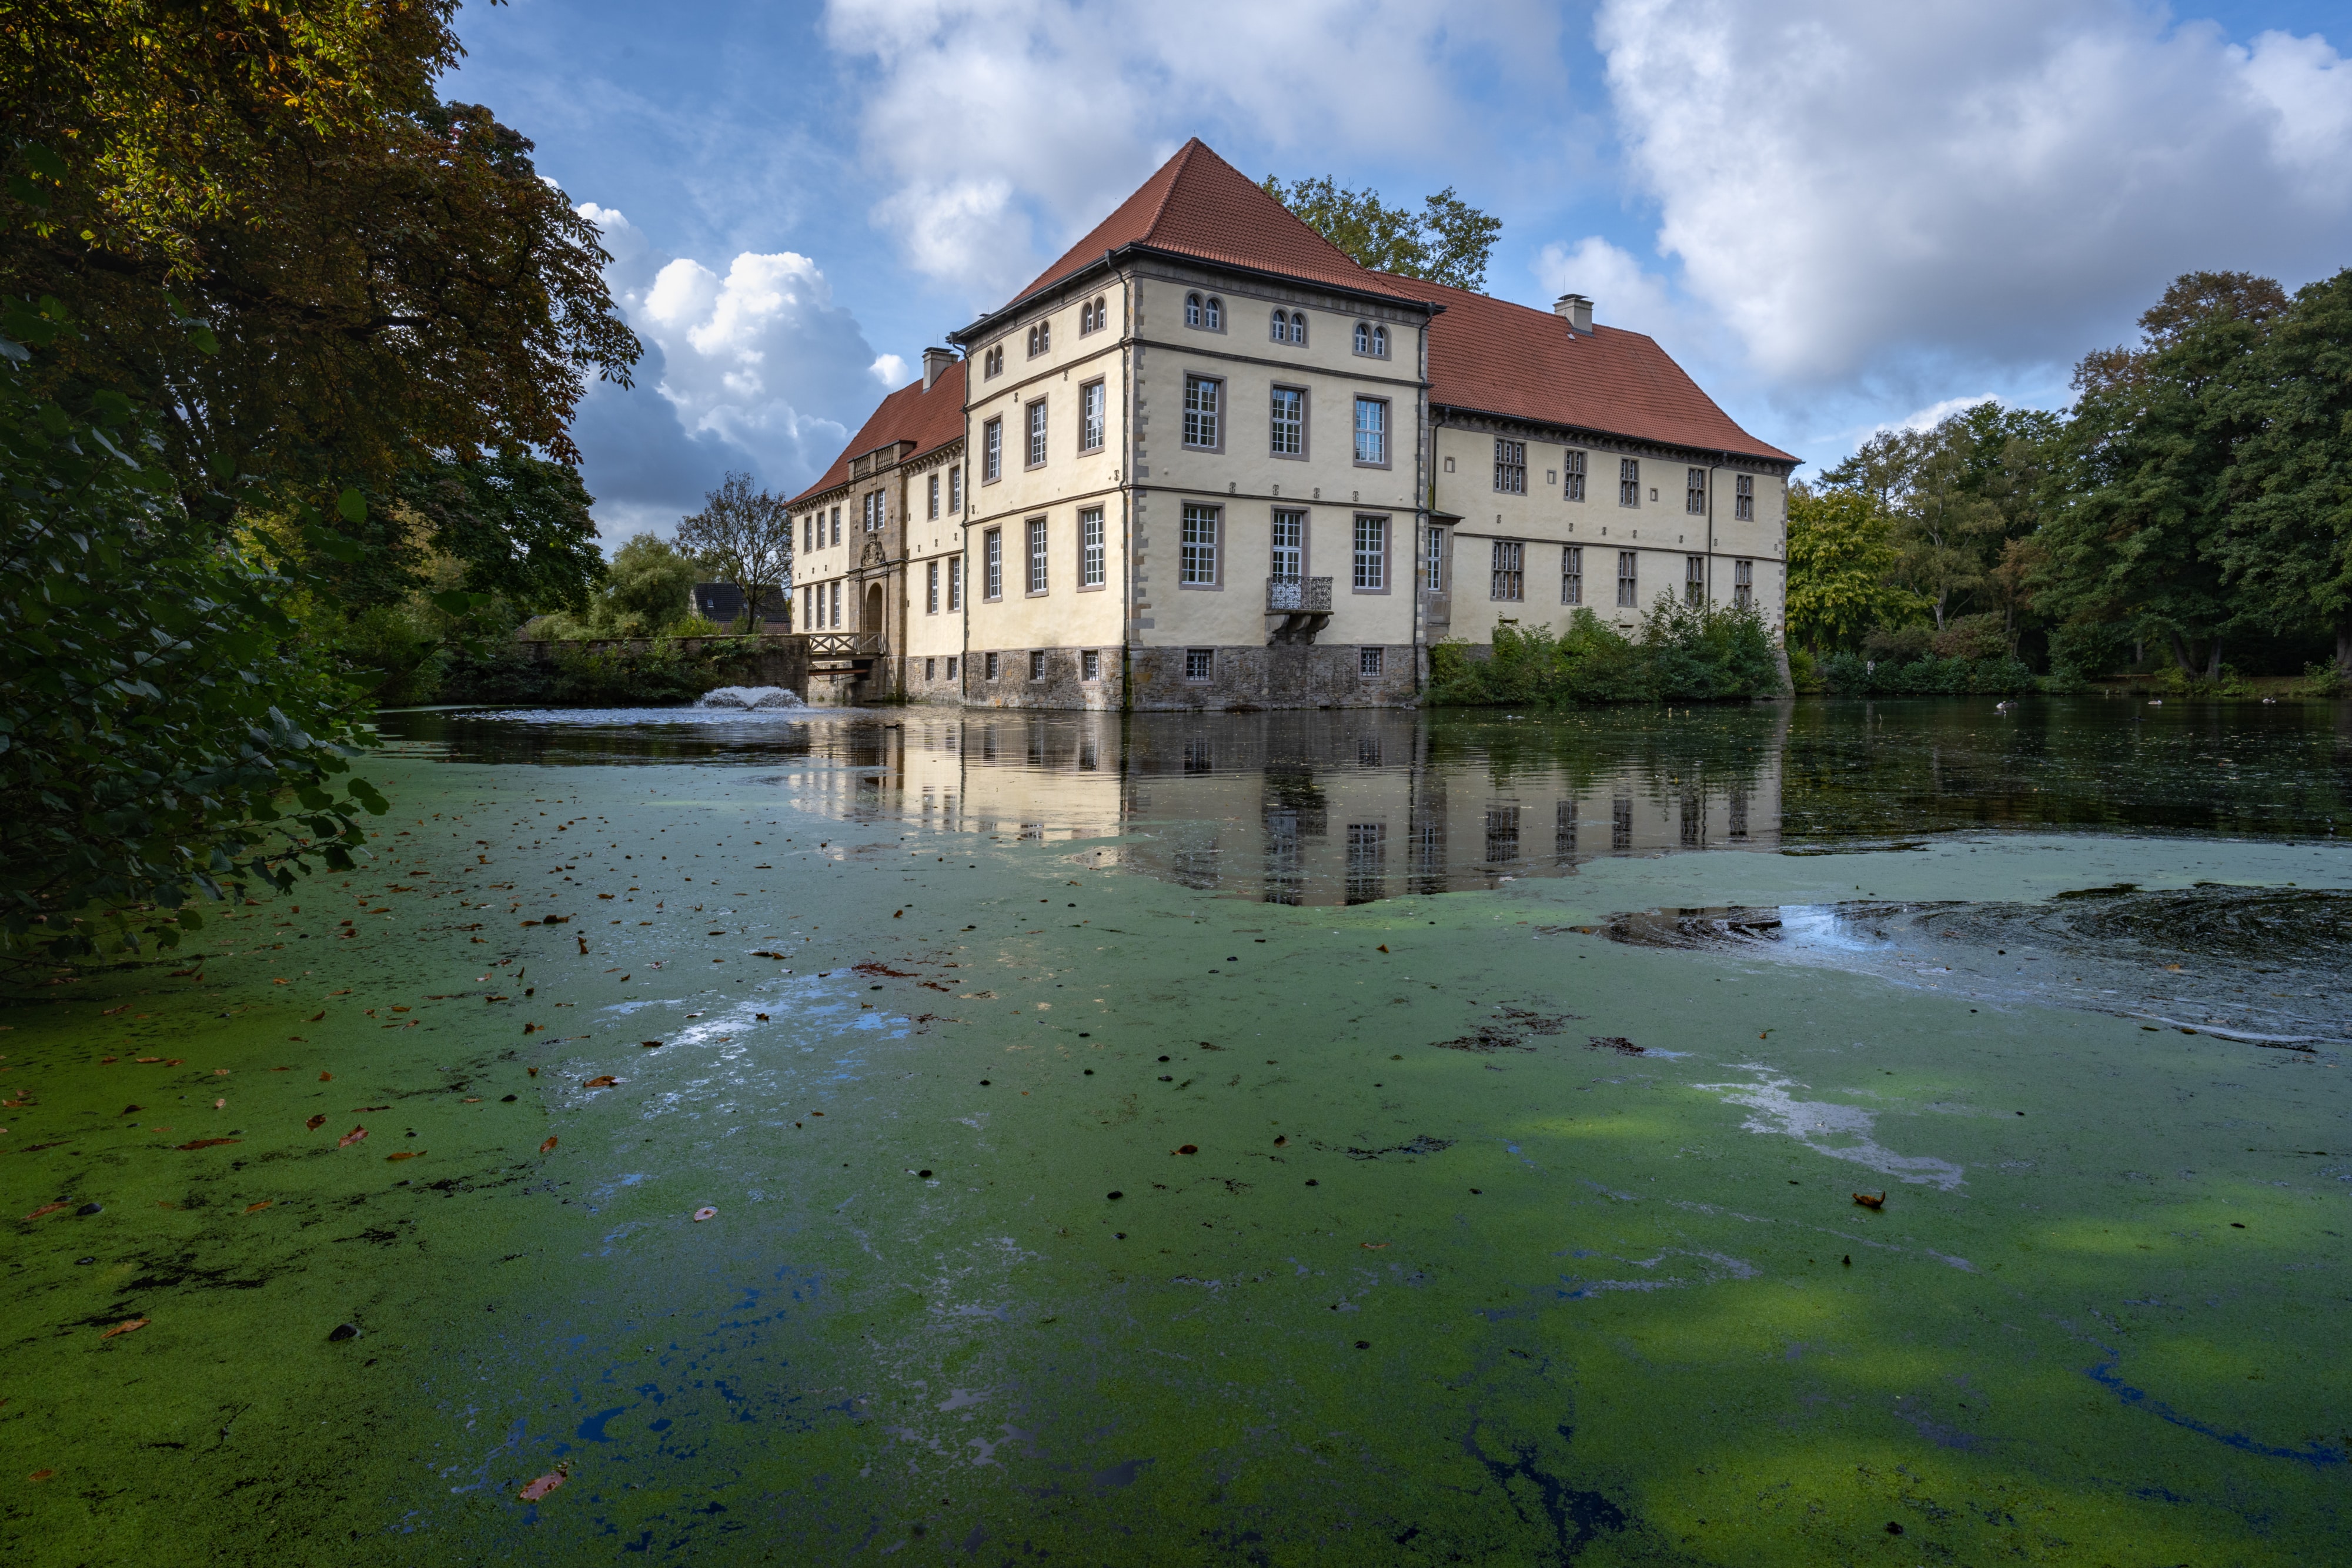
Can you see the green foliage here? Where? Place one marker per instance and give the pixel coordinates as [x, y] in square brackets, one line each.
[1840, 558]
[518, 527]
[646, 591]
[1448, 241]
[165, 729]
[1851, 675]
[661, 674]
[1682, 654]
[745, 536]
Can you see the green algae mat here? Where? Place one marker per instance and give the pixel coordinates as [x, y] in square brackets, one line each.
[1325, 1140]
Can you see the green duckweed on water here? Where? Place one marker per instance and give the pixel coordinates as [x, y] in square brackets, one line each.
[1268, 1139]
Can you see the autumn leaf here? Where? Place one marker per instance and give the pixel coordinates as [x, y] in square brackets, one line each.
[210, 1142]
[547, 1145]
[601, 1080]
[315, 1123]
[48, 1208]
[406, 1155]
[129, 1325]
[544, 1484]
[257, 1207]
[326, 1078]
[317, 1016]
[354, 1136]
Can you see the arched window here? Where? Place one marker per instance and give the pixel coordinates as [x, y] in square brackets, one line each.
[1086, 318]
[1281, 331]
[1102, 313]
[1363, 339]
[1298, 328]
[1381, 342]
[1214, 316]
[1191, 309]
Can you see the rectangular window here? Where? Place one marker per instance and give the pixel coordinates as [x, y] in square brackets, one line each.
[1091, 423]
[1371, 554]
[1571, 575]
[836, 525]
[1621, 823]
[930, 669]
[1090, 665]
[1288, 430]
[1036, 555]
[837, 606]
[1090, 548]
[1743, 583]
[951, 666]
[934, 502]
[1563, 830]
[1036, 458]
[1197, 563]
[1036, 663]
[1626, 579]
[1743, 498]
[1502, 834]
[955, 489]
[1372, 430]
[1694, 492]
[1369, 661]
[1508, 580]
[991, 451]
[1510, 466]
[955, 583]
[1203, 396]
[1436, 561]
[1694, 580]
[1628, 482]
[1288, 561]
[1572, 464]
[808, 533]
[992, 564]
[988, 666]
[1199, 662]
[931, 588]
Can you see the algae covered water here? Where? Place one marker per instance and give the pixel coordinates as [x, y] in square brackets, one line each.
[804, 1137]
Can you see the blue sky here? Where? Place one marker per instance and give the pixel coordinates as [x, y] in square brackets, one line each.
[1837, 215]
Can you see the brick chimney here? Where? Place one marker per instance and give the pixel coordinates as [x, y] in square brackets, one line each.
[1576, 310]
[936, 362]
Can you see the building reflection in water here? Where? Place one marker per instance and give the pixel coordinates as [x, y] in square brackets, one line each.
[1315, 808]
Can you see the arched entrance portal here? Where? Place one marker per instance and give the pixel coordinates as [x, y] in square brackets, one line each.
[873, 622]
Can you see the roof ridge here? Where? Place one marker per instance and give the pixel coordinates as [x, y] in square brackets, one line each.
[1182, 160]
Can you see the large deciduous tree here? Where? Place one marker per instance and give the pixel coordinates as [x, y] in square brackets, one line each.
[1841, 562]
[746, 536]
[1448, 241]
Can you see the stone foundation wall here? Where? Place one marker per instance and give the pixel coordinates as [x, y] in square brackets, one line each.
[1283, 676]
[1060, 685]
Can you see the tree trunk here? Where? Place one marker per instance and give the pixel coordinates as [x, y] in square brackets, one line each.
[2181, 656]
[2344, 648]
[2213, 660]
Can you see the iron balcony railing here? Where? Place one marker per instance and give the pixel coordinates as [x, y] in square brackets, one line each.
[1298, 596]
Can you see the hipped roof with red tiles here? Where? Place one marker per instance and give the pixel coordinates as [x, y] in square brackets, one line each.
[1494, 356]
[930, 418]
[1198, 204]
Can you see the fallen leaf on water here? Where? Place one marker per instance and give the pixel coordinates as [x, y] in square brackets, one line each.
[650, 1044]
[206, 1143]
[220, 1073]
[326, 1078]
[1868, 1200]
[220, 1105]
[547, 1145]
[407, 1154]
[151, 1059]
[1372, 1246]
[1384, 947]
[354, 1136]
[702, 1214]
[601, 1080]
[315, 1123]
[317, 1016]
[545, 1484]
[48, 1208]
[128, 1325]
[41, 1474]
[257, 1207]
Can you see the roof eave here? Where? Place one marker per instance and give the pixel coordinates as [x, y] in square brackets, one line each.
[1110, 258]
[1438, 405]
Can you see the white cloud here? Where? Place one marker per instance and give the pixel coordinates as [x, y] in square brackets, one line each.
[1847, 183]
[1624, 293]
[1006, 128]
[758, 367]
[890, 370]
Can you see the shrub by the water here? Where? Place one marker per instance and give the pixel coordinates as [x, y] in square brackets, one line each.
[1850, 676]
[657, 674]
[1682, 653]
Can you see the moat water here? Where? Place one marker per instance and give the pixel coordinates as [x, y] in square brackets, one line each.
[1503, 1209]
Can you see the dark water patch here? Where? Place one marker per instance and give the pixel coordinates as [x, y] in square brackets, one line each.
[1509, 1029]
[2254, 964]
[2317, 1455]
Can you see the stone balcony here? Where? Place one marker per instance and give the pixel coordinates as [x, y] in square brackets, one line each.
[1304, 603]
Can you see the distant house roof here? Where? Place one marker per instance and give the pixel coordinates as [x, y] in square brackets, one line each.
[1199, 205]
[723, 602]
[928, 417]
[1494, 356]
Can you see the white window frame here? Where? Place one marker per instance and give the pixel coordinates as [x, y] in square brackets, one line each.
[1629, 579]
[1372, 436]
[1743, 498]
[1287, 547]
[1286, 438]
[1571, 574]
[1199, 561]
[1093, 563]
[1370, 539]
[1694, 492]
[1371, 664]
[1040, 546]
[955, 584]
[1204, 401]
[934, 501]
[1572, 466]
[1434, 565]
[1743, 583]
[1089, 665]
[1034, 451]
[1506, 580]
[991, 565]
[1200, 666]
[1094, 422]
[1693, 580]
[1510, 466]
[991, 451]
[1628, 482]
[931, 588]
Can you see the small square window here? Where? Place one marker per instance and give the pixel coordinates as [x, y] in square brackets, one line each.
[988, 666]
[1369, 661]
[1036, 663]
[1199, 662]
[930, 669]
[952, 667]
[1090, 665]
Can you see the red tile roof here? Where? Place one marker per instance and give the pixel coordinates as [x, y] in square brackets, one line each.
[930, 418]
[1198, 204]
[1499, 357]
